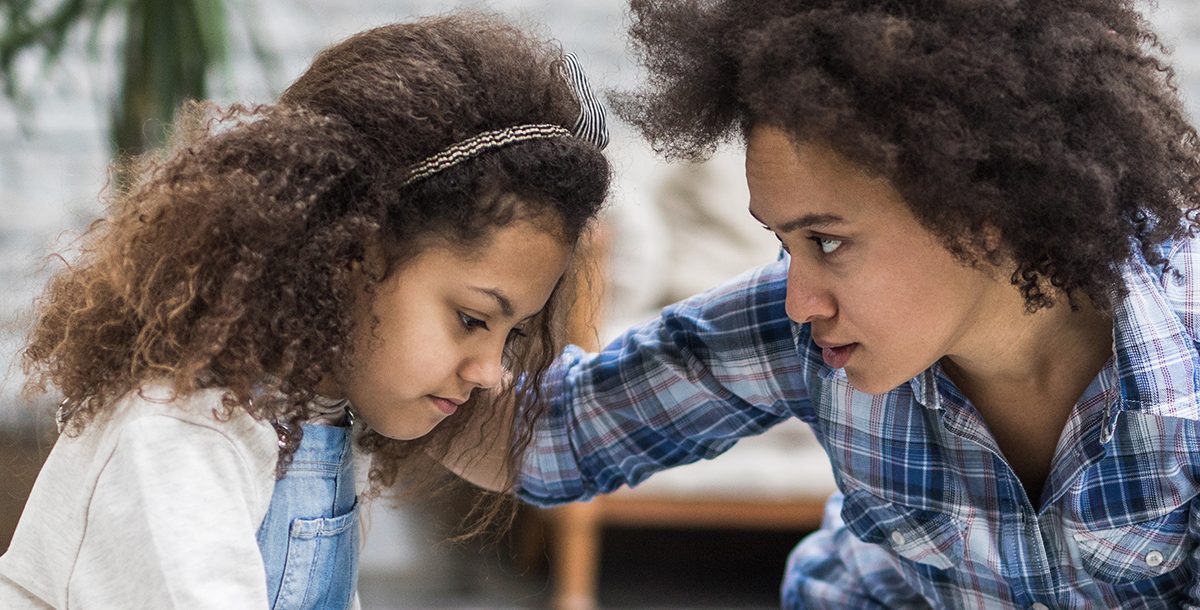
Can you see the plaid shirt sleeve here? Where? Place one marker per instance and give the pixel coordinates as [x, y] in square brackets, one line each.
[682, 387]
[834, 569]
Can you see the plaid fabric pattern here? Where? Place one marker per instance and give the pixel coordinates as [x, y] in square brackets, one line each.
[929, 514]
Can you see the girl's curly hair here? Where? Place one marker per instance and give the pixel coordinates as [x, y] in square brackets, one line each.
[227, 260]
[1052, 124]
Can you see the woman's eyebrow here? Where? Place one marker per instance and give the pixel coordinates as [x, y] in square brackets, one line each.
[808, 221]
[805, 221]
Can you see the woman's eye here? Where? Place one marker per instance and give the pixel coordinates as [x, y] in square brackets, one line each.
[471, 323]
[827, 245]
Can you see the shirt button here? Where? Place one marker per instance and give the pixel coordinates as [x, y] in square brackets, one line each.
[897, 538]
[1154, 559]
[1039, 606]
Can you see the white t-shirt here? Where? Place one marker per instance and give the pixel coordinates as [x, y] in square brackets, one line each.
[156, 506]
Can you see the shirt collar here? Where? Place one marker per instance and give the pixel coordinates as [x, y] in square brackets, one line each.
[1156, 361]
[925, 387]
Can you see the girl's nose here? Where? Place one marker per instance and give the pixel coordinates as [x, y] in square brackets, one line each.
[484, 369]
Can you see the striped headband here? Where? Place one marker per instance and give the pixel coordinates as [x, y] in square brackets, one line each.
[590, 126]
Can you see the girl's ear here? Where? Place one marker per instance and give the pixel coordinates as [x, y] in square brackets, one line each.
[373, 262]
[368, 269]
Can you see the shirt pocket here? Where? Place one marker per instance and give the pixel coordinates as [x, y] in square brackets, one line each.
[321, 568]
[923, 536]
[1138, 551]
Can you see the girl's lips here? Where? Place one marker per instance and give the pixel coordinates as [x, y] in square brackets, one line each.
[836, 357]
[443, 405]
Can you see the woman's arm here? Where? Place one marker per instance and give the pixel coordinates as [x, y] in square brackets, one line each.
[682, 387]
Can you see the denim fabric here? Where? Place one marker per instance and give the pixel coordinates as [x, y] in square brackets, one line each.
[309, 538]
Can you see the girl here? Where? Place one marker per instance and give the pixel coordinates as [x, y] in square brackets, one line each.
[386, 243]
[988, 310]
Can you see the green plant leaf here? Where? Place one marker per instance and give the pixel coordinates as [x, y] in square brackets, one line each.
[170, 48]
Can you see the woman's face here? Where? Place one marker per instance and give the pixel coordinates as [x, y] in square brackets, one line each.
[885, 299]
[445, 319]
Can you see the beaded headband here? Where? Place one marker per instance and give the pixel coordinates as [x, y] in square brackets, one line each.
[590, 126]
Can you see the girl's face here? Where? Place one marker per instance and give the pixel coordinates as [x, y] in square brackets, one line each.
[884, 298]
[445, 319]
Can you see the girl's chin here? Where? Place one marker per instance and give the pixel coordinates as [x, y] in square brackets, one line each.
[402, 431]
[401, 436]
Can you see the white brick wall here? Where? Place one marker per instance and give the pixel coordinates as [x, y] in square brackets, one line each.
[53, 157]
[49, 178]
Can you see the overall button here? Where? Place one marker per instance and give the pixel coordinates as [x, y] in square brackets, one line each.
[897, 538]
[1039, 606]
[1154, 559]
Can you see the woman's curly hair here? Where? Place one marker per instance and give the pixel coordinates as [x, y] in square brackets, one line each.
[227, 260]
[1052, 124]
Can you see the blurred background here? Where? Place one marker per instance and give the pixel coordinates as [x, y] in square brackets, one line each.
[84, 78]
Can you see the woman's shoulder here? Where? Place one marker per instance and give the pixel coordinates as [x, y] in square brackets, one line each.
[1180, 272]
[1176, 280]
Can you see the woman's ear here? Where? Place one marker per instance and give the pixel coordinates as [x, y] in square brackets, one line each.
[993, 252]
[993, 239]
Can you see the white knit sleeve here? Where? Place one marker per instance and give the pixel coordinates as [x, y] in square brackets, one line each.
[172, 523]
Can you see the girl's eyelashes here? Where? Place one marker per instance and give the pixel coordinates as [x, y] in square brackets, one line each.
[471, 323]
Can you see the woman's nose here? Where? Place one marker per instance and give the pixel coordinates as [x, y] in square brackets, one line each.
[806, 299]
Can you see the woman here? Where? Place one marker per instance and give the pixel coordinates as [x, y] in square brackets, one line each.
[987, 311]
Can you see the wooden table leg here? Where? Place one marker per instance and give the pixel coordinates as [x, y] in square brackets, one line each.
[576, 556]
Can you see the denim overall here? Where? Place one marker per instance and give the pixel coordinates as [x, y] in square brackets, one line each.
[309, 538]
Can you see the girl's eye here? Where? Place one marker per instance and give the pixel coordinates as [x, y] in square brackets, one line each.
[827, 245]
[516, 334]
[471, 323]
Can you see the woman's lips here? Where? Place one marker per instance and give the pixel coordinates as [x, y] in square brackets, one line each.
[836, 357]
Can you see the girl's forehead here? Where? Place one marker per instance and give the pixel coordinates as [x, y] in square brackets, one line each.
[520, 262]
[491, 241]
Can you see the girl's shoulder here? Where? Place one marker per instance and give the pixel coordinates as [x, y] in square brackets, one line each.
[156, 406]
[156, 466]
[203, 408]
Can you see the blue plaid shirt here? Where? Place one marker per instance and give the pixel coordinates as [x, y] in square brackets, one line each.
[929, 512]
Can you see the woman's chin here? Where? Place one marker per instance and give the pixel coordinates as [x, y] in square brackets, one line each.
[872, 384]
